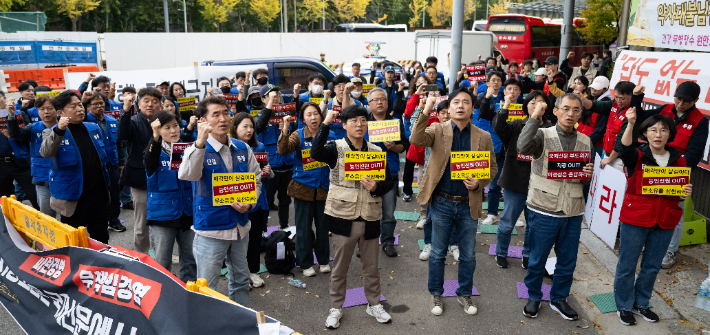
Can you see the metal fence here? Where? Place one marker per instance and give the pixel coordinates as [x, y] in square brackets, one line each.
[12, 22]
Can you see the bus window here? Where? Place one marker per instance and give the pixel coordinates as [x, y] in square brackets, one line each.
[507, 25]
[545, 36]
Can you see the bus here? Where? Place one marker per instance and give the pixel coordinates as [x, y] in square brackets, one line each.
[370, 28]
[522, 37]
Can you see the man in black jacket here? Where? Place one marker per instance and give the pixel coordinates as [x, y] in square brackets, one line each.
[136, 131]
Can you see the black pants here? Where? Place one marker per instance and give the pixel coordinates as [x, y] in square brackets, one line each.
[408, 177]
[258, 222]
[9, 172]
[280, 184]
[114, 207]
[91, 213]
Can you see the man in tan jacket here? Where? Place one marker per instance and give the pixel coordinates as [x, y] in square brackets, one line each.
[454, 202]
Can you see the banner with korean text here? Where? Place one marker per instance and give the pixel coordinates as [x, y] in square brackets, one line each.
[474, 164]
[228, 188]
[674, 24]
[665, 180]
[609, 189]
[382, 131]
[661, 73]
[263, 159]
[567, 164]
[515, 112]
[361, 164]
[279, 111]
[176, 152]
[186, 103]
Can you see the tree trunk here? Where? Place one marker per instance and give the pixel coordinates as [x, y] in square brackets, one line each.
[108, 9]
[78, 24]
[73, 24]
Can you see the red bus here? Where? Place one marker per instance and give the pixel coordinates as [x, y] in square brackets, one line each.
[522, 37]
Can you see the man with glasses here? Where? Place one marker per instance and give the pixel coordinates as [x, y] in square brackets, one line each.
[78, 182]
[342, 87]
[378, 107]
[102, 84]
[395, 93]
[95, 102]
[556, 205]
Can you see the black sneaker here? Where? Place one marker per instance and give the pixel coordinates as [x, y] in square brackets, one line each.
[116, 226]
[564, 309]
[502, 262]
[273, 207]
[646, 313]
[389, 250]
[357, 252]
[407, 198]
[530, 310]
[627, 318]
[525, 262]
[128, 205]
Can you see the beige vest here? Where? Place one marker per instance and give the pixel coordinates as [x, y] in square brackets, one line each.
[348, 199]
[556, 195]
[577, 71]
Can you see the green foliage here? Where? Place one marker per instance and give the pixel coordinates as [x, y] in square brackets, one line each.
[602, 21]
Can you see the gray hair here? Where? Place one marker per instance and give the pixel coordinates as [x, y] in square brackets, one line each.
[377, 89]
[568, 96]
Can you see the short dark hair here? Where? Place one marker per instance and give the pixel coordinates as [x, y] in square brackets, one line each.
[513, 63]
[624, 88]
[240, 74]
[513, 81]
[151, 91]
[607, 51]
[201, 108]
[170, 89]
[583, 79]
[494, 73]
[260, 71]
[32, 82]
[24, 87]
[431, 67]
[2, 93]
[43, 89]
[100, 80]
[309, 104]
[223, 78]
[531, 96]
[356, 64]
[352, 112]
[652, 120]
[64, 98]
[165, 117]
[236, 120]
[340, 79]
[42, 99]
[444, 104]
[528, 62]
[317, 76]
[432, 59]
[129, 89]
[586, 55]
[455, 93]
[99, 96]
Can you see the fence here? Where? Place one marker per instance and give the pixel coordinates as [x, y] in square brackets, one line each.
[11, 22]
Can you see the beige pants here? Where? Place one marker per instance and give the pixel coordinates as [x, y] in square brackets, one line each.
[141, 234]
[344, 246]
[420, 175]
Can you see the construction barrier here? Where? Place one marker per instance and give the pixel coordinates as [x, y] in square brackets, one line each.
[51, 77]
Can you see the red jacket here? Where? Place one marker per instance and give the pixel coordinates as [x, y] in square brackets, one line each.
[613, 126]
[415, 153]
[685, 127]
[589, 129]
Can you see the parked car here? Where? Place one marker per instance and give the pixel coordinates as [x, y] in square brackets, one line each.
[366, 68]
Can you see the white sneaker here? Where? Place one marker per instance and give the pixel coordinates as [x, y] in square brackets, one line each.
[379, 313]
[420, 223]
[333, 320]
[310, 272]
[491, 219]
[454, 251]
[520, 223]
[325, 268]
[424, 256]
[255, 280]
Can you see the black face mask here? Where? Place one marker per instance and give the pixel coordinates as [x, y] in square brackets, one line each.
[256, 102]
[262, 81]
[225, 89]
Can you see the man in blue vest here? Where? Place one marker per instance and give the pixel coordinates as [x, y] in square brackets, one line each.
[396, 98]
[32, 133]
[220, 231]
[94, 102]
[433, 61]
[102, 84]
[78, 179]
[26, 104]
[14, 156]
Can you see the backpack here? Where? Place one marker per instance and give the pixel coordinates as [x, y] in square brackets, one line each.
[279, 266]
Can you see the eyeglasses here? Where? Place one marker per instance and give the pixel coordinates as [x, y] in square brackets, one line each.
[357, 122]
[574, 111]
[658, 131]
[98, 104]
[378, 100]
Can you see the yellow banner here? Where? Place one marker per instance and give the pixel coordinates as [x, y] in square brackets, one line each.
[381, 131]
[475, 164]
[366, 89]
[315, 100]
[308, 162]
[361, 164]
[254, 112]
[228, 188]
[186, 104]
[515, 112]
[665, 180]
[54, 93]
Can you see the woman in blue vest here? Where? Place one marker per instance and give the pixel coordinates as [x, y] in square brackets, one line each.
[309, 189]
[169, 199]
[242, 128]
[188, 131]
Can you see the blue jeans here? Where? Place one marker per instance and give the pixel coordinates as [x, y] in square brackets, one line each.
[633, 242]
[43, 200]
[563, 233]
[494, 189]
[678, 232]
[308, 214]
[209, 255]
[388, 222]
[514, 205]
[125, 195]
[446, 215]
[163, 239]
[453, 238]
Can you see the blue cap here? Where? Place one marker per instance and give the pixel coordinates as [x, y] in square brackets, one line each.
[268, 88]
[389, 68]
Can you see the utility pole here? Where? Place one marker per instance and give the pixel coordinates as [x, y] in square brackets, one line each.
[486, 9]
[165, 13]
[285, 16]
[456, 35]
[623, 24]
[423, 16]
[323, 14]
[567, 30]
[295, 19]
[184, 11]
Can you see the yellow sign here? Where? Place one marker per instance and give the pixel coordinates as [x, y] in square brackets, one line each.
[186, 104]
[54, 93]
[316, 101]
[665, 180]
[475, 164]
[366, 89]
[308, 162]
[254, 112]
[361, 164]
[515, 112]
[381, 131]
[228, 188]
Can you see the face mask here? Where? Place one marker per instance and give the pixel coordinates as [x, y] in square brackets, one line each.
[225, 89]
[356, 94]
[256, 102]
[316, 89]
[262, 81]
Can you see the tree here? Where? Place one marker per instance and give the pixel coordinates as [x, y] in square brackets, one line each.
[440, 12]
[380, 19]
[266, 10]
[417, 7]
[216, 11]
[351, 10]
[497, 8]
[310, 11]
[602, 21]
[74, 9]
[5, 5]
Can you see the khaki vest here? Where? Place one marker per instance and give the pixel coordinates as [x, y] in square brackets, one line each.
[348, 199]
[555, 195]
[577, 71]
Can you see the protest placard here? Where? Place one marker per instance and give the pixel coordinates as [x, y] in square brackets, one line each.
[366, 89]
[53, 93]
[607, 201]
[228, 188]
[669, 24]
[474, 164]
[263, 159]
[515, 112]
[476, 72]
[382, 131]
[527, 158]
[176, 152]
[3, 119]
[232, 99]
[316, 101]
[337, 119]
[567, 164]
[186, 104]
[279, 111]
[361, 164]
[308, 162]
[665, 180]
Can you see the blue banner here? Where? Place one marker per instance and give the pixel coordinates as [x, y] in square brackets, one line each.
[17, 52]
[47, 52]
